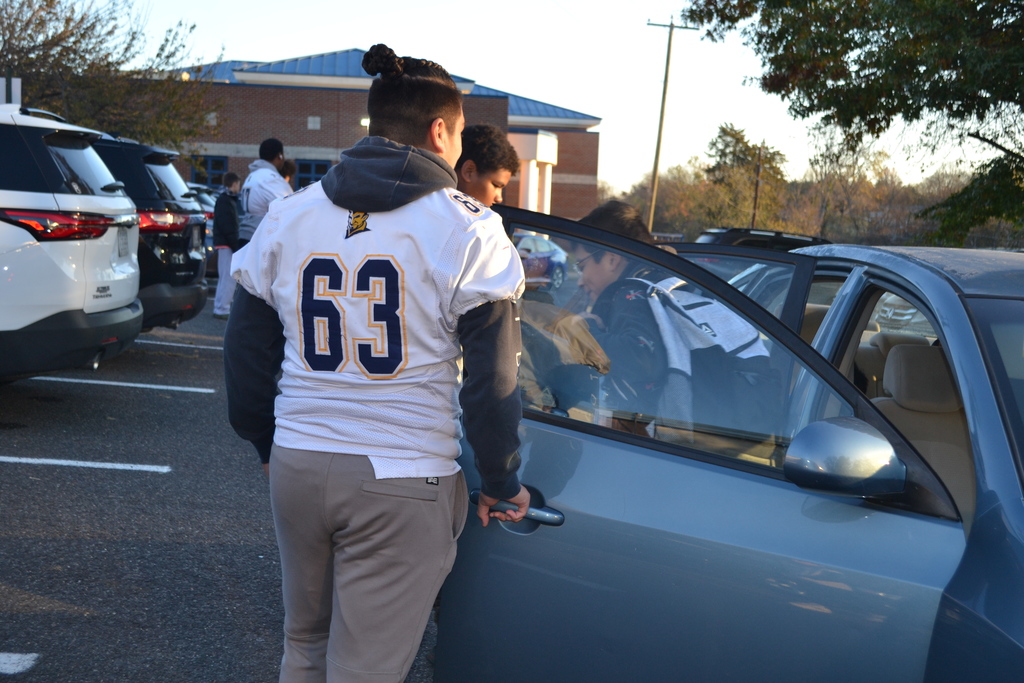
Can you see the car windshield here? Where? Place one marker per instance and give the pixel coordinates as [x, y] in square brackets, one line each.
[1001, 323]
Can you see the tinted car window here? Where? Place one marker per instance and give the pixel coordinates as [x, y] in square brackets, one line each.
[125, 168]
[168, 182]
[83, 170]
[766, 283]
[19, 171]
[657, 357]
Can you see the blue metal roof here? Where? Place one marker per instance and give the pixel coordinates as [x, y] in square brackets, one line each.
[345, 64]
[223, 72]
[523, 106]
[349, 64]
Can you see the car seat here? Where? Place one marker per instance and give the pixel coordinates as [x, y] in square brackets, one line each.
[926, 408]
[871, 357]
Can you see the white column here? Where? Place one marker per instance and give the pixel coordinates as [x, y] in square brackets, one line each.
[546, 171]
[538, 154]
[529, 181]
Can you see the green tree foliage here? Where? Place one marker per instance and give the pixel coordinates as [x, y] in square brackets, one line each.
[738, 170]
[849, 194]
[86, 62]
[861, 65]
[994, 195]
[680, 189]
[719, 192]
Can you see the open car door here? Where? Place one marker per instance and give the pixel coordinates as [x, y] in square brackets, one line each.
[778, 281]
[740, 512]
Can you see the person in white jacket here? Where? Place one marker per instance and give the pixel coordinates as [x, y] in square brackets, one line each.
[263, 185]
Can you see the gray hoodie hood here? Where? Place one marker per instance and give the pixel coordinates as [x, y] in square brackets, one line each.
[380, 175]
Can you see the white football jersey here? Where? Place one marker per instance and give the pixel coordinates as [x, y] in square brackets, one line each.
[370, 305]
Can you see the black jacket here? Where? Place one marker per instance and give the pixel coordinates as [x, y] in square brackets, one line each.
[225, 221]
[633, 343]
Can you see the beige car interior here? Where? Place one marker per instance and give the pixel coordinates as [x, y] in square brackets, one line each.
[904, 371]
[924, 404]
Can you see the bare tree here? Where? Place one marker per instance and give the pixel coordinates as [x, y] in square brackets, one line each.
[87, 62]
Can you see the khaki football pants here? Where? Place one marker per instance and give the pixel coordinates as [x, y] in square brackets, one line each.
[361, 561]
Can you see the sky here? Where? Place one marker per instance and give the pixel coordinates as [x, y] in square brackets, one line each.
[608, 64]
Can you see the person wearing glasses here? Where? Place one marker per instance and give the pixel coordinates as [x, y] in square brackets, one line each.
[620, 318]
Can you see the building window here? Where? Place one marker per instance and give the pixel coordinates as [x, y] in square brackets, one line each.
[313, 123]
[209, 170]
[310, 171]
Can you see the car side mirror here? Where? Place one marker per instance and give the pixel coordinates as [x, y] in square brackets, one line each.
[844, 456]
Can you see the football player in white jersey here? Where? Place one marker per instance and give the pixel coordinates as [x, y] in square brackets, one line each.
[370, 292]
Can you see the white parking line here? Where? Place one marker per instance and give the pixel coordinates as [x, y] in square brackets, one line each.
[162, 387]
[14, 663]
[159, 469]
[186, 346]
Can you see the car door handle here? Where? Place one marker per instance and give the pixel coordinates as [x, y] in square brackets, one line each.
[543, 515]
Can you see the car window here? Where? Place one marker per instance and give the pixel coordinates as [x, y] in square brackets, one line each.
[899, 362]
[126, 168]
[1001, 323]
[81, 167]
[628, 346]
[766, 283]
[777, 281]
[19, 171]
[170, 184]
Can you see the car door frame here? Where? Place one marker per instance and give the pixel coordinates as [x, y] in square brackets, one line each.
[929, 496]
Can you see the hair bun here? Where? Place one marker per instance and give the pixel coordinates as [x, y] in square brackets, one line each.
[381, 59]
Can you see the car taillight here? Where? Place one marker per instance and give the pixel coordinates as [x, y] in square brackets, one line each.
[58, 225]
[162, 221]
[209, 215]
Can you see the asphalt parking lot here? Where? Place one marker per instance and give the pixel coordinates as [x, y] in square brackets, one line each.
[136, 541]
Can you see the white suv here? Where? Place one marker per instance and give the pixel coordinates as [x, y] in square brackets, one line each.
[69, 236]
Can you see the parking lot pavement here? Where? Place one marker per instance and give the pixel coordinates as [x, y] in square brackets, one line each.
[137, 542]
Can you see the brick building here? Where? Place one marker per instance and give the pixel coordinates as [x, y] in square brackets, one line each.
[316, 106]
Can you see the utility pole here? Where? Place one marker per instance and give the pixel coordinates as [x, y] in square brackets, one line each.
[671, 26]
[757, 186]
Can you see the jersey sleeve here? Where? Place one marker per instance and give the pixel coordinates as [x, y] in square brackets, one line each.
[254, 266]
[491, 269]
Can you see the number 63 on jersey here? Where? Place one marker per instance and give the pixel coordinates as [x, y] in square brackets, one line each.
[327, 297]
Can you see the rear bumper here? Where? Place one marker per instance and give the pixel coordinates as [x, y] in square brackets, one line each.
[70, 339]
[166, 306]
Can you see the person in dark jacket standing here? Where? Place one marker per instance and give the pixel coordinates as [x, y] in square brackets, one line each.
[365, 291]
[225, 241]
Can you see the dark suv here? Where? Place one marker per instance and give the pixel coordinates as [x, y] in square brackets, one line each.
[172, 225]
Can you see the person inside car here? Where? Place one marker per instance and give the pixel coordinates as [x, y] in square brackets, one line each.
[620, 317]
